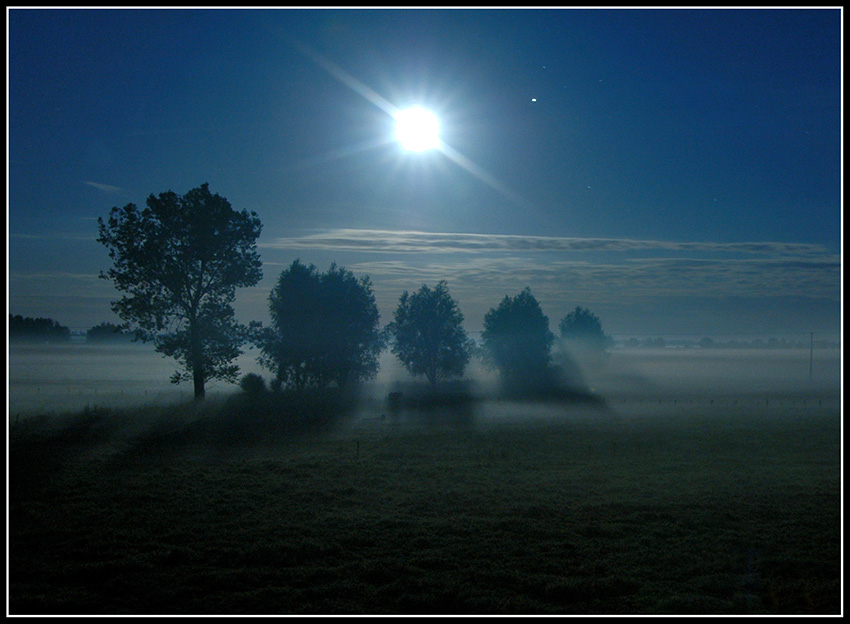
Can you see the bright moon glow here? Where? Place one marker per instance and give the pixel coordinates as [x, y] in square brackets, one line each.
[417, 129]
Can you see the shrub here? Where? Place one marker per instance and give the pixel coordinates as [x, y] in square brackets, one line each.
[252, 384]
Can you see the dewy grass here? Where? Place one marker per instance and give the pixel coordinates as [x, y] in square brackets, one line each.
[250, 508]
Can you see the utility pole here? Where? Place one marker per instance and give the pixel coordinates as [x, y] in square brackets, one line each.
[811, 352]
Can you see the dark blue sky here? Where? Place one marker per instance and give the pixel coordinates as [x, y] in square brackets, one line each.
[677, 171]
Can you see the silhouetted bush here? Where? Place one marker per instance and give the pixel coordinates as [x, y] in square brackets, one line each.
[556, 383]
[280, 415]
[451, 404]
[252, 384]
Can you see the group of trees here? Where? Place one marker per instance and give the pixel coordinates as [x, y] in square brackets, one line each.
[179, 262]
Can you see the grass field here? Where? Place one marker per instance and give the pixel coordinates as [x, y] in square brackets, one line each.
[465, 505]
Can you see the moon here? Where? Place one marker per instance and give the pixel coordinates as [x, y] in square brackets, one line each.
[417, 129]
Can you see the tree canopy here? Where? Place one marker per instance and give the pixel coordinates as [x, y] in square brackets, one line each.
[581, 328]
[325, 328]
[427, 334]
[516, 339]
[179, 262]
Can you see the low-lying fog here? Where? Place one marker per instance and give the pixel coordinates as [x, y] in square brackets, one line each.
[44, 379]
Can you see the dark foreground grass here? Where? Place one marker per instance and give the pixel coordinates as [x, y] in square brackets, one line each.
[244, 509]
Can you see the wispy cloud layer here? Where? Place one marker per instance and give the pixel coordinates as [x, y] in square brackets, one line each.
[620, 270]
[622, 274]
[386, 241]
[106, 188]
[563, 272]
[619, 282]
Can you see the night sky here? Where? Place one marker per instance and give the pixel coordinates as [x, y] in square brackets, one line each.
[675, 171]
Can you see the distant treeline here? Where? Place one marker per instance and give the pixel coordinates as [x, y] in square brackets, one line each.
[108, 332]
[709, 343]
[25, 329]
[37, 329]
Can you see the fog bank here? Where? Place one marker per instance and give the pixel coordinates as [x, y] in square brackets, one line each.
[59, 378]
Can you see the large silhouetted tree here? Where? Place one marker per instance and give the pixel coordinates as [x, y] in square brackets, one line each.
[325, 328]
[348, 325]
[517, 341]
[287, 345]
[581, 329]
[427, 334]
[179, 262]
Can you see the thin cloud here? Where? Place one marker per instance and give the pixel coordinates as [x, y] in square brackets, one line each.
[106, 188]
[615, 282]
[404, 242]
[604, 271]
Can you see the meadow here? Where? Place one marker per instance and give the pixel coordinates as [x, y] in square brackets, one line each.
[635, 500]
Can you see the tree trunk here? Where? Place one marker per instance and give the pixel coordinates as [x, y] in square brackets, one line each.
[432, 374]
[197, 359]
[198, 375]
